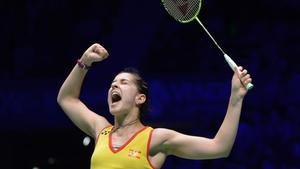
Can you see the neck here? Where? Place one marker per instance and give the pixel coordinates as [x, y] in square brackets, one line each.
[126, 123]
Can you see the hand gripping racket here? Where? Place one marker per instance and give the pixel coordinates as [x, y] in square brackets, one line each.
[185, 11]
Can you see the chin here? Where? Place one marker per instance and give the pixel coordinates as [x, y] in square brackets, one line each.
[115, 112]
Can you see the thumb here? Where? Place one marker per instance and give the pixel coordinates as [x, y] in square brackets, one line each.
[236, 72]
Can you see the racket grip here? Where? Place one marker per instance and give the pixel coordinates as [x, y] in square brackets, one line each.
[232, 65]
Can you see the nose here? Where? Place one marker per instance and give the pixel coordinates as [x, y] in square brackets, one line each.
[114, 85]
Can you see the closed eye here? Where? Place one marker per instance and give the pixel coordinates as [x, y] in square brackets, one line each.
[124, 81]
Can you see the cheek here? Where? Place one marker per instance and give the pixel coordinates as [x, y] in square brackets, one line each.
[130, 95]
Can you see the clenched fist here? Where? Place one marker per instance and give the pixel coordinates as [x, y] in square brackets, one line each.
[94, 53]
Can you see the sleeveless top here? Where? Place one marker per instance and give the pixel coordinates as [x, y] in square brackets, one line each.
[132, 155]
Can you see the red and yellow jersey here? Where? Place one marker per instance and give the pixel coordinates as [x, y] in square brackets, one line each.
[132, 155]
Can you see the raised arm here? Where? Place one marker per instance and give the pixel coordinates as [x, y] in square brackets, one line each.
[68, 96]
[192, 147]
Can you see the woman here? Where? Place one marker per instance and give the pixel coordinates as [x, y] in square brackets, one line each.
[127, 143]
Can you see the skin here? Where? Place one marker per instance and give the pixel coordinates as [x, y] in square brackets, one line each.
[164, 142]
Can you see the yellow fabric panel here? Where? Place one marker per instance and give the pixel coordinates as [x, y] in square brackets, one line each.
[132, 155]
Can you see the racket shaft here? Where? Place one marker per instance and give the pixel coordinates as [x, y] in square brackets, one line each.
[232, 65]
[230, 62]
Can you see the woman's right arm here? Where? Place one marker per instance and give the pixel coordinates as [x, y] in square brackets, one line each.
[68, 96]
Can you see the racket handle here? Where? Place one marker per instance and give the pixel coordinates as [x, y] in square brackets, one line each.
[232, 64]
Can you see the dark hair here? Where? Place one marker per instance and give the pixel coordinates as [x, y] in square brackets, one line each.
[142, 87]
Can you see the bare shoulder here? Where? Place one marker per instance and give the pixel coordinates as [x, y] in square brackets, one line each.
[163, 132]
[100, 123]
[160, 140]
[161, 135]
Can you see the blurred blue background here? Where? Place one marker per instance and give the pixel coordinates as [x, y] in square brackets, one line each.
[188, 77]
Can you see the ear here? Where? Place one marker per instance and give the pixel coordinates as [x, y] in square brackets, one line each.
[140, 99]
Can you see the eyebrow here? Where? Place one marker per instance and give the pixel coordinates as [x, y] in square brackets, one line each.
[122, 80]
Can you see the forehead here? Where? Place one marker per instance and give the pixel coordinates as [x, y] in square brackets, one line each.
[124, 76]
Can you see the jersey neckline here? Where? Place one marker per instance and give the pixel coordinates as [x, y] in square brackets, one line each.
[126, 143]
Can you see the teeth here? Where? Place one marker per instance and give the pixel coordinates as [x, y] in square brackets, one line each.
[114, 92]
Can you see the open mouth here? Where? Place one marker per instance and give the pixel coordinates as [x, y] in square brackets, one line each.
[115, 97]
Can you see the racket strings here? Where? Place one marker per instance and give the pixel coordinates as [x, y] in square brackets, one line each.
[185, 11]
[182, 10]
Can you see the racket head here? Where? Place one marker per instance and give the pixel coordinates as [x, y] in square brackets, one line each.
[183, 11]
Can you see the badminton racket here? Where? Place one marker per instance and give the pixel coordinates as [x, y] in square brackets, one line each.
[185, 11]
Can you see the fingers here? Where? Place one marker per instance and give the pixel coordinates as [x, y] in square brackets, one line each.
[246, 79]
[100, 50]
[93, 47]
[244, 76]
[94, 53]
[238, 70]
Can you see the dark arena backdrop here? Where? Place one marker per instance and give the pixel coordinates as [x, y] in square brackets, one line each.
[40, 41]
